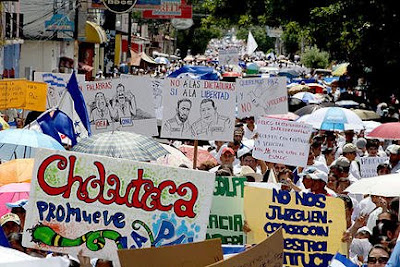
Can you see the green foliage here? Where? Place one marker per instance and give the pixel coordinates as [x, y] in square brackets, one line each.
[314, 58]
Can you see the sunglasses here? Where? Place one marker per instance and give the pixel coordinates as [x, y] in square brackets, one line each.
[379, 260]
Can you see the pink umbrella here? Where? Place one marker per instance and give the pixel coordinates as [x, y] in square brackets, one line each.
[389, 131]
[11, 193]
[290, 116]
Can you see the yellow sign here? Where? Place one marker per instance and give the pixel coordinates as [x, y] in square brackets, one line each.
[312, 224]
[20, 93]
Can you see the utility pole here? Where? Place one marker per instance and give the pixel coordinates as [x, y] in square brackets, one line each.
[76, 42]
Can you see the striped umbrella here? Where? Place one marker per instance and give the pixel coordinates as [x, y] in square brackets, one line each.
[119, 144]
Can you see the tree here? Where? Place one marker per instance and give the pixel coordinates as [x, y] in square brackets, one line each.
[314, 58]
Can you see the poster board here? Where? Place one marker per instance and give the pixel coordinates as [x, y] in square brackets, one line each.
[261, 96]
[228, 56]
[124, 104]
[281, 141]
[226, 216]
[197, 254]
[267, 253]
[99, 204]
[57, 82]
[368, 165]
[23, 94]
[312, 224]
[198, 109]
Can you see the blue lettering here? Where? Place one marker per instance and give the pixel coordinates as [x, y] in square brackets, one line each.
[51, 215]
[96, 217]
[42, 207]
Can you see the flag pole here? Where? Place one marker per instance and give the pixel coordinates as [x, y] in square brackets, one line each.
[196, 146]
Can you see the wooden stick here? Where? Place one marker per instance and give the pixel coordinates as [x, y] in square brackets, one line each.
[196, 145]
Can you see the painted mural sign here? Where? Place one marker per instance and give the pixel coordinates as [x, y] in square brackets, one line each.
[312, 224]
[226, 216]
[262, 96]
[99, 204]
[125, 104]
[198, 109]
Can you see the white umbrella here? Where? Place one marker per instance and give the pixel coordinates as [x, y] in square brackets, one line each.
[370, 125]
[335, 119]
[383, 185]
[174, 158]
[307, 97]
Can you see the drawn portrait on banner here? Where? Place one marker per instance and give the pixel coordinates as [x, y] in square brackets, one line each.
[180, 123]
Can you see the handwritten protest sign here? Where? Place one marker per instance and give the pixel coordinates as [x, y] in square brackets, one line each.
[198, 109]
[20, 93]
[197, 254]
[312, 224]
[281, 141]
[101, 204]
[125, 104]
[57, 83]
[226, 216]
[261, 96]
[268, 253]
[368, 165]
[228, 56]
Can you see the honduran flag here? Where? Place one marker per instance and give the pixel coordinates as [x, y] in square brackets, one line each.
[340, 260]
[69, 118]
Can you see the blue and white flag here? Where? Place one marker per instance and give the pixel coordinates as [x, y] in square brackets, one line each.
[340, 260]
[70, 118]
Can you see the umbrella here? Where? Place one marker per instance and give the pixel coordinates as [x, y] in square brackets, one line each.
[252, 68]
[318, 88]
[383, 185]
[340, 69]
[389, 131]
[307, 97]
[295, 104]
[231, 74]
[366, 114]
[289, 73]
[174, 158]
[161, 60]
[3, 124]
[16, 171]
[335, 119]
[370, 125]
[125, 145]
[202, 154]
[11, 193]
[290, 116]
[21, 143]
[347, 103]
[312, 107]
[298, 88]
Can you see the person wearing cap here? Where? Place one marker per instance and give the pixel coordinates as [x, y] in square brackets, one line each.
[227, 158]
[394, 159]
[311, 162]
[350, 152]
[19, 208]
[247, 159]
[10, 223]
[361, 145]
[320, 179]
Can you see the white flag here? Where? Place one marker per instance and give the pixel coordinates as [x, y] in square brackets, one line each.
[251, 44]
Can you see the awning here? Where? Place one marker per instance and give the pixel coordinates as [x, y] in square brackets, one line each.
[95, 33]
[137, 57]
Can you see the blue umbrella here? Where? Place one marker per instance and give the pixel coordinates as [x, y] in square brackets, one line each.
[21, 143]
[195, 72]
[161, 60]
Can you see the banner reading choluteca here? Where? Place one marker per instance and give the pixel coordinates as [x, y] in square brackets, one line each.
[100, 204]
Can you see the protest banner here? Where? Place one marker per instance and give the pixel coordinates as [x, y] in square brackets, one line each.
[312, 224]
[197, 254]
[281, 141]
[170, 9]
[198, 109]
[57, 83]
[267, 253]
[125, 104]
[368, 165]
[261, 96]
[228, 56]
[99, 204]
[226, 215]
[23, 94]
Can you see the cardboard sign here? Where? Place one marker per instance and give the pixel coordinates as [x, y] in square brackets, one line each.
[198, 109]
[226, 216]
[197, 254]
[99, 204]
[268, 253]
[312, 224]
[57, 83]
[228, 56]
[262, 96]
[125, 104]
[281, 141]
[20, 93]
[369, 165]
